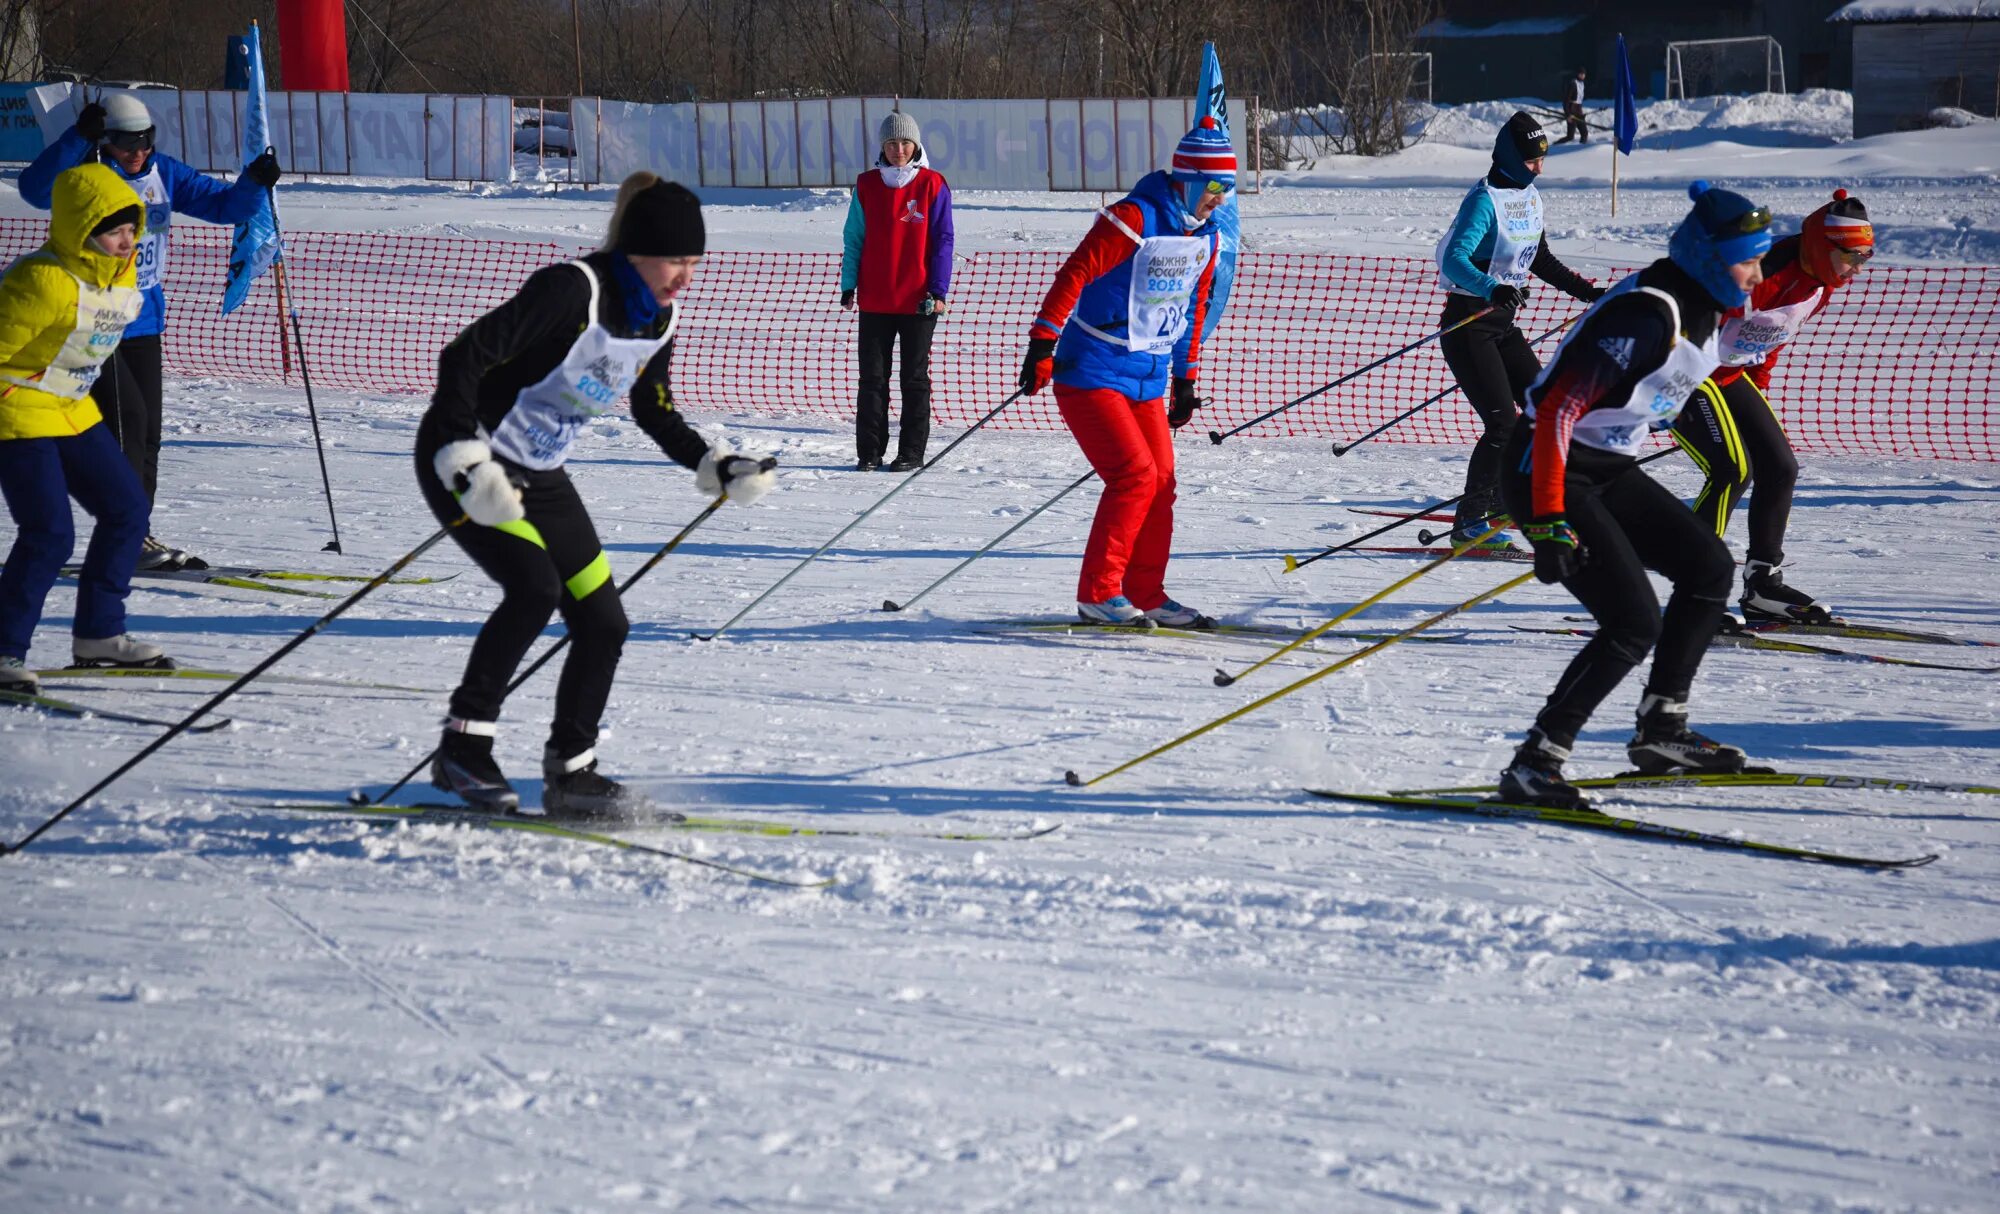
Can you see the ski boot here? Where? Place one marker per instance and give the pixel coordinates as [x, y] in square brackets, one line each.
[1115, 610]
[1173, 615]
[464, 767]
[1535, 776]
[15, 676]
[1465, 534]
[1664, 745]
[121, 652]
[1767, 600]
[156, 557]
[904, 463]
[573, 789]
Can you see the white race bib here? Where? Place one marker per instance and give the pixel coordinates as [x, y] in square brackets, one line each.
[151, 262]
[101, 317]
[1165, 273]
[1655, 400]
[1748, 340]
[592, 378]
[1517, 237]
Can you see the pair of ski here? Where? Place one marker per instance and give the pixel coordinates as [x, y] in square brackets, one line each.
[57, 706]
[581, 830]
[1768, 638]
[257, 577]
[1255, 633]
[1464, 801]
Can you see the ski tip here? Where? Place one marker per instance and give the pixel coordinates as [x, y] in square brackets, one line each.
[891, 605]
[1072, 779]
[1223, 678]
[700, 637]
[1291, 564]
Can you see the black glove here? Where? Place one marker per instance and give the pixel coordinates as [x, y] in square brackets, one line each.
[264, 170]
[1557, 556]
[90, 122]
[1039, 367]
[1591, 293]
[847, 300]
[1507, 298]
[1185, 403]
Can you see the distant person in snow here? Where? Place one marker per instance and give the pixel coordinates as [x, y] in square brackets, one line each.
[62, 310]
[514, 390]
[1123, 320]
[1575, 126]
[1494, 245]
[895, 265]
[1729, 426]
[117, 130]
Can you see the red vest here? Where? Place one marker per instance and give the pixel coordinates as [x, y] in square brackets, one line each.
[896, 242]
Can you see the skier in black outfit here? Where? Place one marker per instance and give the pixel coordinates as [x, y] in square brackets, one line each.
[513, 391]
[1494, 244]
[1598, 522]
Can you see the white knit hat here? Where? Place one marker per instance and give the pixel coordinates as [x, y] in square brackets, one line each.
[899, 125]
[124, 112]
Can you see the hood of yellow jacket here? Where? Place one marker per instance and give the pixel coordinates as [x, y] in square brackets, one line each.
[86, 196]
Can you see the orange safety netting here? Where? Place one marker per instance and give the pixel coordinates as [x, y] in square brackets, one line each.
[1903, 363]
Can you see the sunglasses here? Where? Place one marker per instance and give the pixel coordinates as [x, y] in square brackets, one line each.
[1749, 223]
[1853, 259]
[130, 141]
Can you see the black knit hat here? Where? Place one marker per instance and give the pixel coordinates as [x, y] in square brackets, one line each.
[663, 220]
[1520, 140]
[119, 218]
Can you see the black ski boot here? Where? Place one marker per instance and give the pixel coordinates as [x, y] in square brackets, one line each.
[572, 788]
[1767, 600]
[1535, 777]
[465, 768]
[1665, 746]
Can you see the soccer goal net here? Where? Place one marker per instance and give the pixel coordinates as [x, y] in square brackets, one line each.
[1708, 66]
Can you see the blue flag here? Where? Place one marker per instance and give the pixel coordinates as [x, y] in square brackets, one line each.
[1209, 101]
[1625, 122]
[256, 245]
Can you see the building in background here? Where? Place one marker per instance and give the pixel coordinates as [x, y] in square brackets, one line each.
[1920, 63]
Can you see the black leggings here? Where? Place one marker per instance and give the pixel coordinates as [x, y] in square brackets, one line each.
[128, 393]
[550, 561]
[1494, 366]
[1626, 523]
[1733, 435]
[880, 331]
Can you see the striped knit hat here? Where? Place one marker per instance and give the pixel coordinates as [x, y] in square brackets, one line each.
[1839, 225]
[1204, 155]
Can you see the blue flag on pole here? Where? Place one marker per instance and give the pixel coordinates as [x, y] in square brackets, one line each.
[1625, 122]
[1209, 101]
[256, 245]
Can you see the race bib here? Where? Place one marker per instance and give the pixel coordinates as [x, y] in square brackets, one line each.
[1165, 272]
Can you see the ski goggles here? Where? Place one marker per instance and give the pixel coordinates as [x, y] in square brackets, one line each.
[1749, 223]
[1853, 259]
[130, 141]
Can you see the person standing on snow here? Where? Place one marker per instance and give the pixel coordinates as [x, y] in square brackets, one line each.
[62, 311]
[513, 391]
[119, 132]
[1729, 427]
[1599, 523]
[1124, 316]
[1575, 125]
[1484, 260]
[895, 264]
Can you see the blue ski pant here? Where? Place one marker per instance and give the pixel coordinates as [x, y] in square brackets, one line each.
[38, 476]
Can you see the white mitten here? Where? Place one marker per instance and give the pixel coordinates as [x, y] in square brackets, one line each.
[744, 478]
[467, 469]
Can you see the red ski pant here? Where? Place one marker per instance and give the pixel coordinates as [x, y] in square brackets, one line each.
[1127, 441]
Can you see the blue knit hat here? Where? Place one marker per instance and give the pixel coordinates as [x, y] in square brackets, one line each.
[1723, 228]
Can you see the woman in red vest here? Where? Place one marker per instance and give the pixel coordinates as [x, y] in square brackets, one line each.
[895, 264]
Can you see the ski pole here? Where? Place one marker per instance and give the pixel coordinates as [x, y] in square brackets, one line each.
[1223, 678]
[359, 798]
[180, 727]
[1294, 563]
[1216, 436]
[1071, 778]
[287, 303]
[891, 605]
[1405, 415]
[859, 518]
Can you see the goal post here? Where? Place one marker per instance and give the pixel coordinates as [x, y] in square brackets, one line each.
[1703, 67]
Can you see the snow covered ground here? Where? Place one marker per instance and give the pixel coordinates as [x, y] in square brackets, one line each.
[1206, 990]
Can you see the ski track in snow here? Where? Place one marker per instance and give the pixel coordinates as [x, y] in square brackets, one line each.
[1208, 990]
